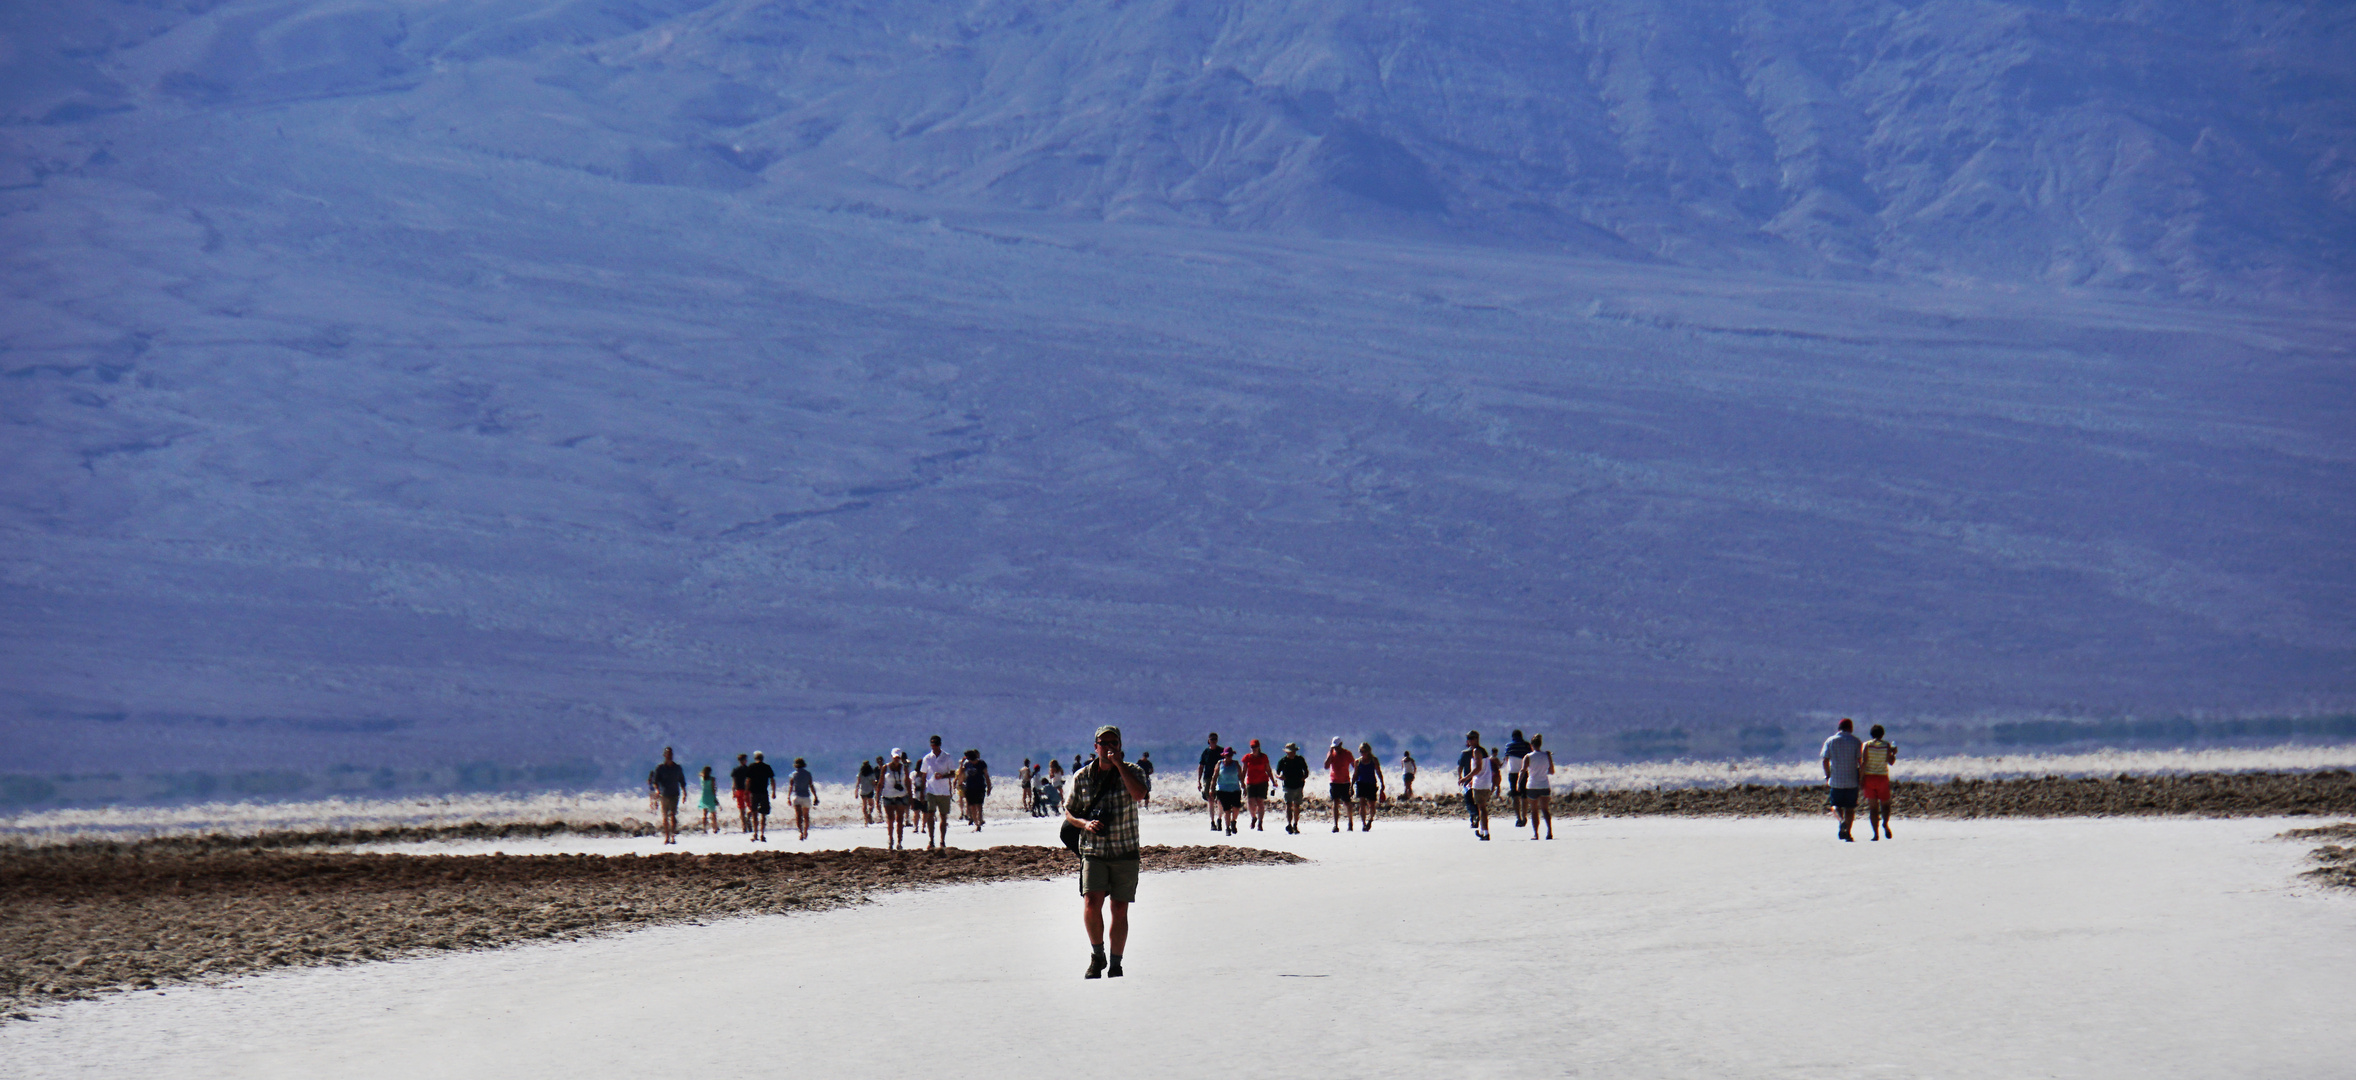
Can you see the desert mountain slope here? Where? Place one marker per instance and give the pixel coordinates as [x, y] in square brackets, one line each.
[439, 382]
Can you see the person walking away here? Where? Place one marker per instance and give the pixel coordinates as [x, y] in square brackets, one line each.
[1515, 748]
[1227, 783]
[1477, 782]
[1367, 774]
[709, 803]
[1022, 783]
[760, 786]
[1538, 785]
[670, 782]
[1206, 765]
[940, 787]
[893, 783]
[1841, 752]
[1873, 762]
[977, 786]
[1110, 792]
[1293, 770]
[1406, 774]
[1338, 767]
[1256, 775]
[744, 813]
[801, 791]
[864, 786]
[1145, 770]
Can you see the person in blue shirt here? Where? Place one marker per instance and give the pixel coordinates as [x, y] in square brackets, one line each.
[1840, 773]
[1227, 786]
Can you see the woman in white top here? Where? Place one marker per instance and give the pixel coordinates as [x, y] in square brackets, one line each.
[893, 782]
[1538, 785]
[1482, 779]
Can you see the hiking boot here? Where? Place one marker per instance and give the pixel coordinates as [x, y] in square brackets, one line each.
[1095, 967]
[1113, 971]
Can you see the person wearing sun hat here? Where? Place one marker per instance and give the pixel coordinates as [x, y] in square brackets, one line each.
[1339, 765]
[1103, 807]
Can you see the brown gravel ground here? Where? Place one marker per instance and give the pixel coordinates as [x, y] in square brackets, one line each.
[81, 919]
[2197, 795]
[2337, 862]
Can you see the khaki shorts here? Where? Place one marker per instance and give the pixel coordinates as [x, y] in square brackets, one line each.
[938, 803]
[1116, 877]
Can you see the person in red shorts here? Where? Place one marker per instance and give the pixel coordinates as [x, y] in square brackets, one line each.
[1873, 768]
[744, 805]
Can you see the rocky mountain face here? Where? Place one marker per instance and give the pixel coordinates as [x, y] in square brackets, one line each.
[2168, 147]
[504, 387]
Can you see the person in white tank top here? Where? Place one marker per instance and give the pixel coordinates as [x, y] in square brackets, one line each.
[1538, 785]
[894, 784]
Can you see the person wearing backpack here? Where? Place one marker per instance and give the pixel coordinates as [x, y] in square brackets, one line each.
[974, 778]
[1227, 784]
[1109, 792]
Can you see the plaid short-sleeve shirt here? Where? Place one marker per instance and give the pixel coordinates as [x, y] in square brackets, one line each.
[1116, 835]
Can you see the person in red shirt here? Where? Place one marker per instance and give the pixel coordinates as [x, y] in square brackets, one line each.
[1339, 764]
[1256, 776]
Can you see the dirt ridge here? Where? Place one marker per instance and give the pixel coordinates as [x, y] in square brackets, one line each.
[87, 919]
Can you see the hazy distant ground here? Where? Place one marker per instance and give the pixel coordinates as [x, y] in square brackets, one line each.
[483, 396]
[838, 806]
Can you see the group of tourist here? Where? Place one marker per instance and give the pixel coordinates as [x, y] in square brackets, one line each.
[1042, 785]
[894, 789]
[1523, 768]
[755, 784]
[1106, 792]
[1235, 787]
[1859, 771]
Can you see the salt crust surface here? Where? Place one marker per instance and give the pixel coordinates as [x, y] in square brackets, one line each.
[1630, 947]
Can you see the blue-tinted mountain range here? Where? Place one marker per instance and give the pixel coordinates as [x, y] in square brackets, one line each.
[410, 384]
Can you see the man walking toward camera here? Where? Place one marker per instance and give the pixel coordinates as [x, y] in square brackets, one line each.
[1103, 806]
[760, 786]
[940, 789]
[1293, 769]
[1475, 779]
[1840, 773]
[671, 782]
[1339, 765]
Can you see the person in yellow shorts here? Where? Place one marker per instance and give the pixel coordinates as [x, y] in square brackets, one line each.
[1873, 767]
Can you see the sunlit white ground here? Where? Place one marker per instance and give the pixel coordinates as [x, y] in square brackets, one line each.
[1628, 947]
